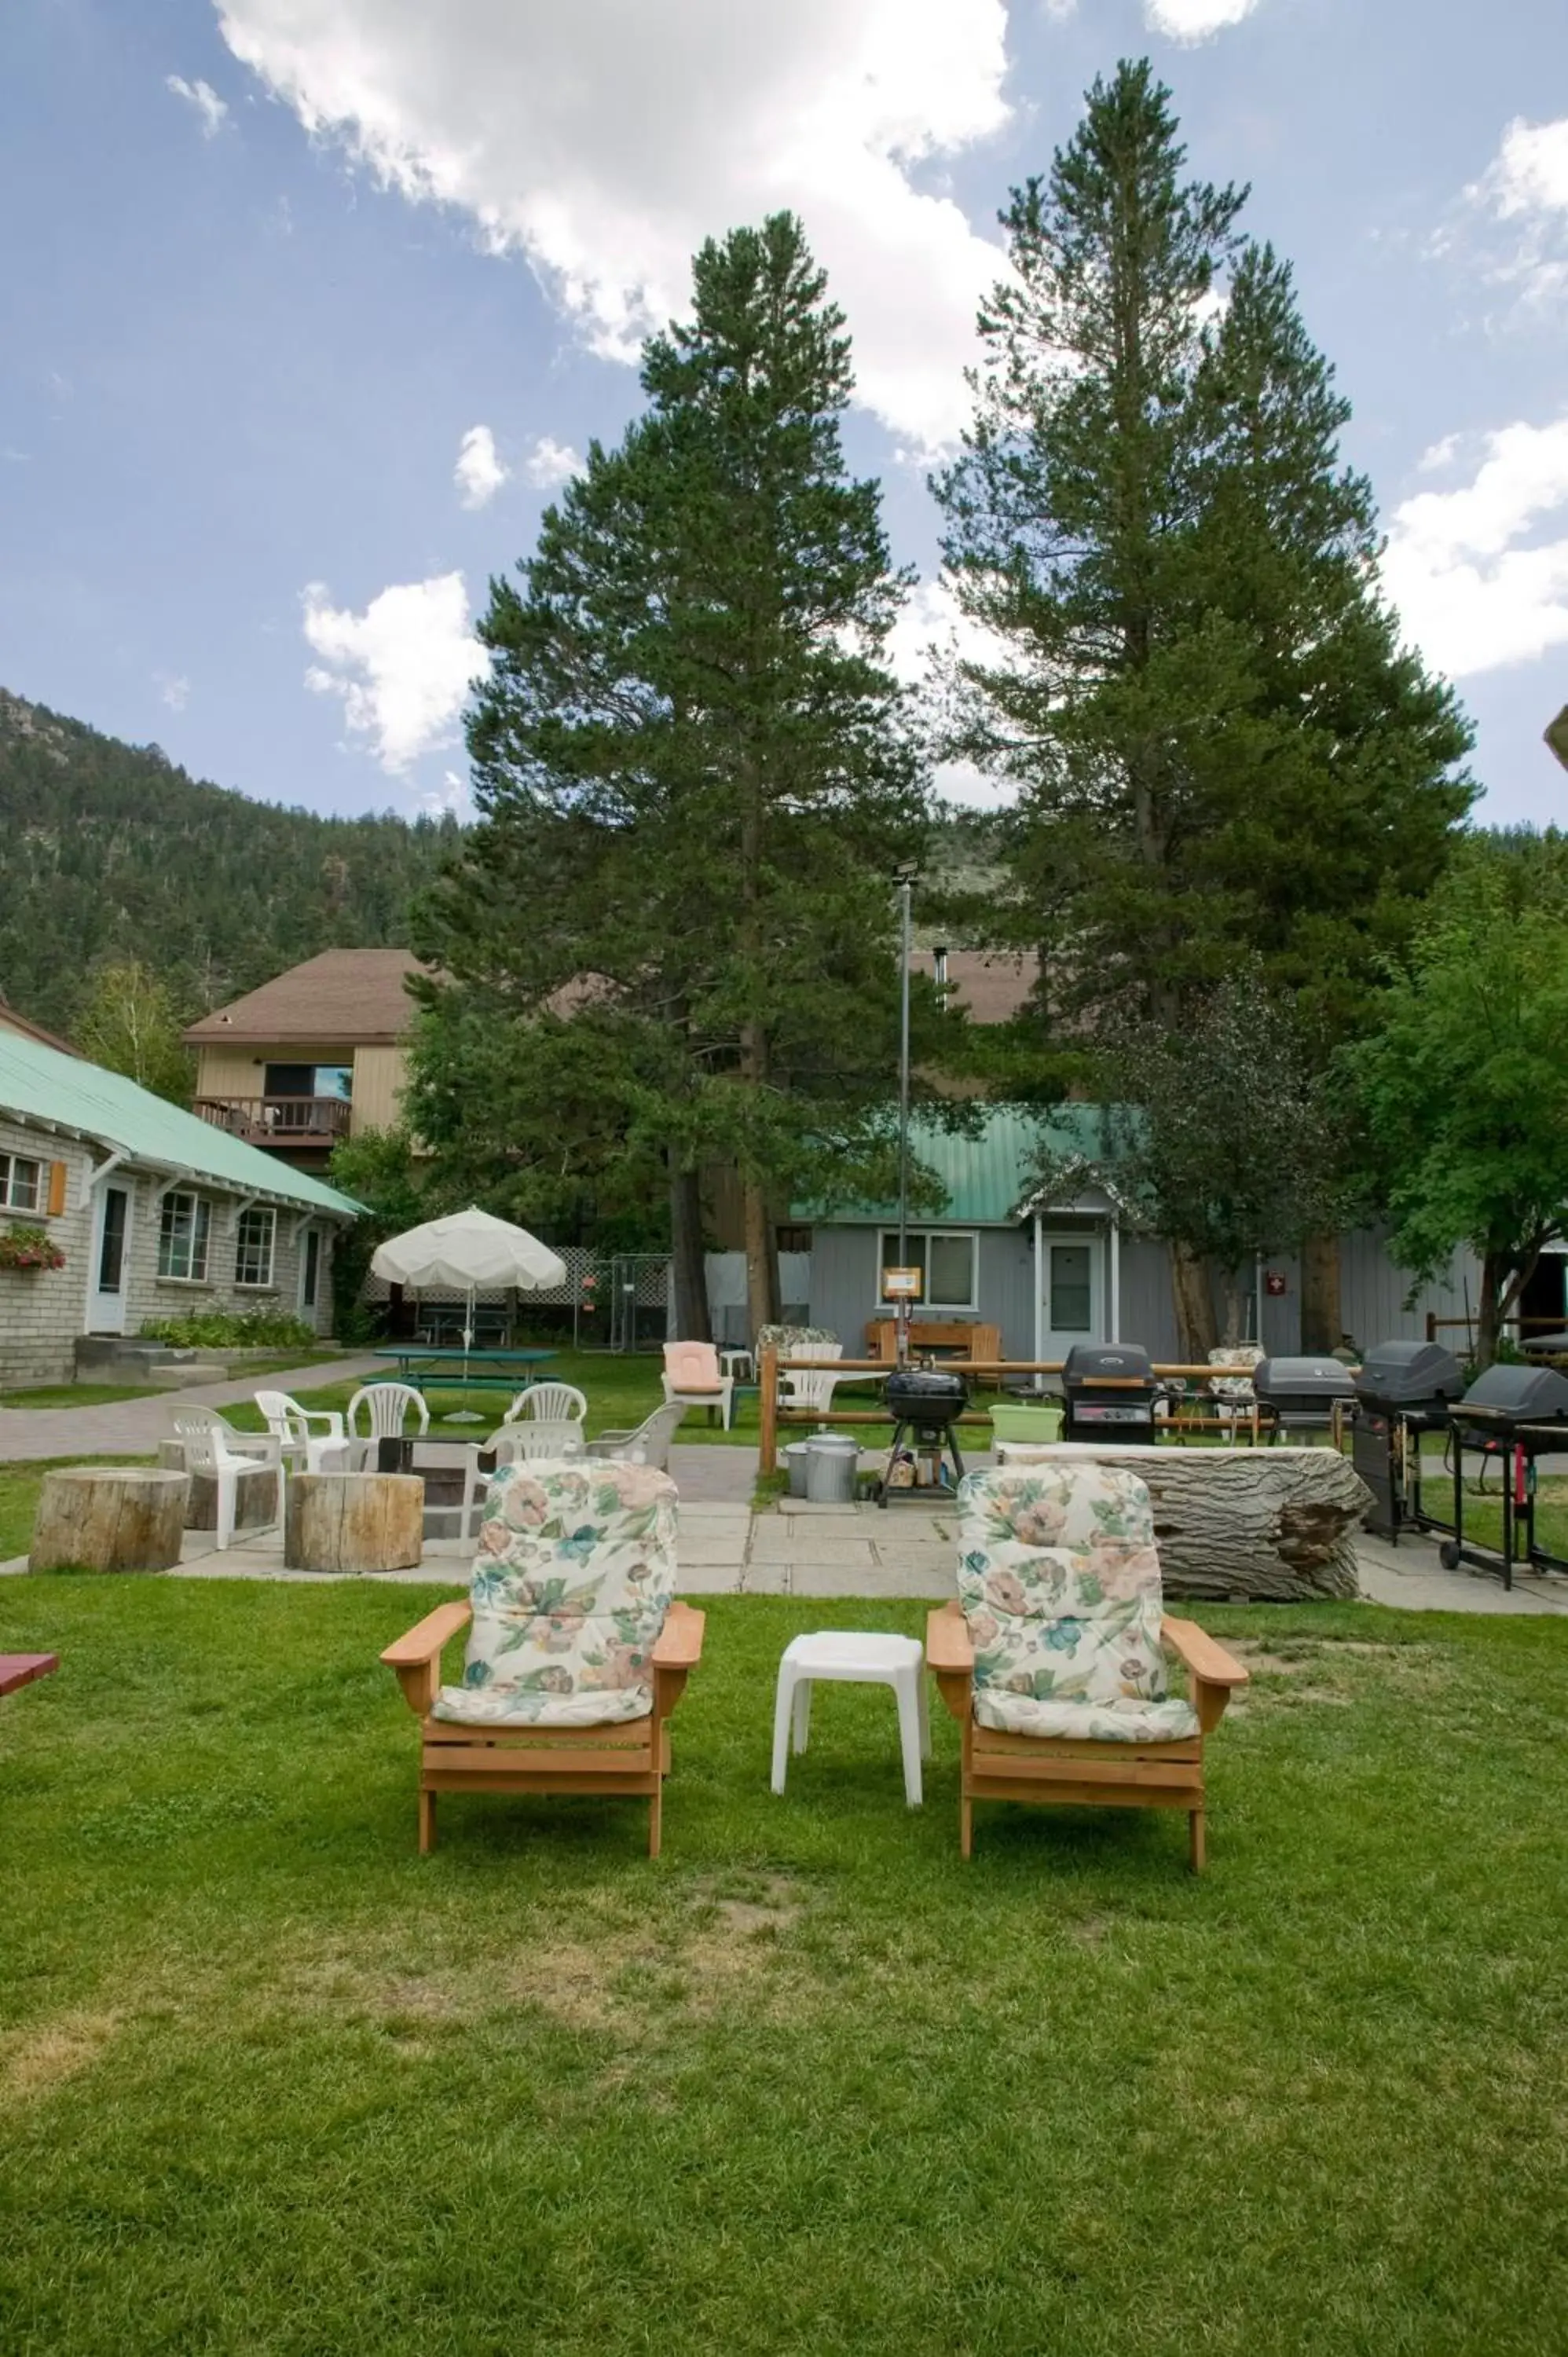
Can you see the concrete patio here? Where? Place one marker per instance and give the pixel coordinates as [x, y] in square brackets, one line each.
[797, 1549]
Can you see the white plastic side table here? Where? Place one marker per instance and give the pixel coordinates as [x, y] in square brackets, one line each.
[739, 1365]
[858, 1658]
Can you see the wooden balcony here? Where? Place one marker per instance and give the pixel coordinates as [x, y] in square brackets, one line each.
[287, 1123]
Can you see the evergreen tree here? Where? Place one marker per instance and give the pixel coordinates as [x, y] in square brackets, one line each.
[694, 780]
[1220, 747]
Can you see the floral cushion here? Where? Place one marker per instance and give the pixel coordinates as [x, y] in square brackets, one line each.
[1236, 1391]
[574, 1577]
[1061, 1589]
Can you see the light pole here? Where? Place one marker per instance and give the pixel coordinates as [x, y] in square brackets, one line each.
[906, 879]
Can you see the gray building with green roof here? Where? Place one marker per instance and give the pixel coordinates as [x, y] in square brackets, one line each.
[145, 1212]
[1059, 1264]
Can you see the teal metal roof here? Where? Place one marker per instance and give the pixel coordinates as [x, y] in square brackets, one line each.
[45, 1086]
[989, 1177]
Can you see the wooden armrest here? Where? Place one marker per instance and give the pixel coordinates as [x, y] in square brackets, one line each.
[679, 1644]
[1202, 1656]
[423, 1642]
[949, 1647]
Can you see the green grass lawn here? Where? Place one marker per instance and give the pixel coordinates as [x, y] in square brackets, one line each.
[77, 1395]
[620, 1391]
[270, 2081]
[104, 1394]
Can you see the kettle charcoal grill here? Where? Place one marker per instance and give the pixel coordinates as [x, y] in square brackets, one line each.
[1405, 1390]
[1111, 1393]
[1510, 1416]
[1305, 1394]
[924, 1404]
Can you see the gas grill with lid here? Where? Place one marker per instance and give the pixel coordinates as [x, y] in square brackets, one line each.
[1404, 1389]
[1305, 1394]
[924, 1404]
[1110, 1392]
[1510, 1416]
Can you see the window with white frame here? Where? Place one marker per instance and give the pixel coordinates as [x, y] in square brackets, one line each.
[21, 1182]
[183, 1228]
[949, 1264]
[254, 1245]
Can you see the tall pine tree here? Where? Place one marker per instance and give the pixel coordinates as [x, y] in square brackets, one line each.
[1221, 749]
[695, 777]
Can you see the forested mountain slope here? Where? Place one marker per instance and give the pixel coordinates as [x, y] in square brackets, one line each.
[107, 851]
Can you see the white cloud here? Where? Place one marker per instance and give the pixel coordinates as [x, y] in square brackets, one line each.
[478, 473]
[402, 667]
[173, 690]
[1480, 574]
[932, 631]
[1529, 171]
[1194, 20]
[1526, 187]
[550, 464]
[606, 142]
[204, 98]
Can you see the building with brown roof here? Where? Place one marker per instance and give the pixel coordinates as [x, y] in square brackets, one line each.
[317, 1054]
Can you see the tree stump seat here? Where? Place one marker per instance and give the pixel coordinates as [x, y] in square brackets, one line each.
[109, 1518]
[1240, 1525]
[354, 1521]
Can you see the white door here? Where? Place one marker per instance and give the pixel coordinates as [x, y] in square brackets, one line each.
[111, 1261]
[1073, 1276]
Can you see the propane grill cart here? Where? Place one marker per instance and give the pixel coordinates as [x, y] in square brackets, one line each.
[1404, 1389]
[1510, 1416]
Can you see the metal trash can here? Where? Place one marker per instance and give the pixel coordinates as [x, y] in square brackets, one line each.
[831, 1464]
[794, 1455]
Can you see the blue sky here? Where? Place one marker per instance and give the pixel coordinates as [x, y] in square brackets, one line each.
[310, 303]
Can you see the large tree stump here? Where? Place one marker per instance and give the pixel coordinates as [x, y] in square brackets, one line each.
[255, 1493]
[109, 1518]
[354, 1521]
[1242, 1525]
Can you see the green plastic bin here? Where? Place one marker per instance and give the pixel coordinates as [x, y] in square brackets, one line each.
[1040, 1421]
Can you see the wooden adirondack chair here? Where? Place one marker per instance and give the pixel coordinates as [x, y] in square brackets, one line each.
[576, 1660]
[1051, 1660]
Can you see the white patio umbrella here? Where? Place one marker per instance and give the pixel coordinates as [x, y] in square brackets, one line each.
[465, 1252]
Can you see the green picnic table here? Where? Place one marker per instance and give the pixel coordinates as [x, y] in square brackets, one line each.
[423, 1365]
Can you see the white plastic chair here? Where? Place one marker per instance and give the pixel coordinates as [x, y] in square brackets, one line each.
[517, 1444]
[385, 1407]
[204, 1438]
[290, 1423]
[648, 1444]
[549, 1404]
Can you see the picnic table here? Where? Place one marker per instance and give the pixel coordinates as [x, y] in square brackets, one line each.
[21, 1669]
[420, 1365]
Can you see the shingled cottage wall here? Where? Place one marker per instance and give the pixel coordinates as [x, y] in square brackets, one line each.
[41, 1310]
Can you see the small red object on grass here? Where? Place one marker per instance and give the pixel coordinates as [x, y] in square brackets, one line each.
[21, 1669]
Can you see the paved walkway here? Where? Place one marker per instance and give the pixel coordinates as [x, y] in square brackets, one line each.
[134, 1428]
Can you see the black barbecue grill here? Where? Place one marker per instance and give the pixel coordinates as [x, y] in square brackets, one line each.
[1510, 1416]
[1110, 1390]
[924, 1404]
[1405, 1390]
[1304, 1394]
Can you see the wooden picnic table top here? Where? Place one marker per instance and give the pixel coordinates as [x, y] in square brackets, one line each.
[21, 1669]
[415, 1359]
